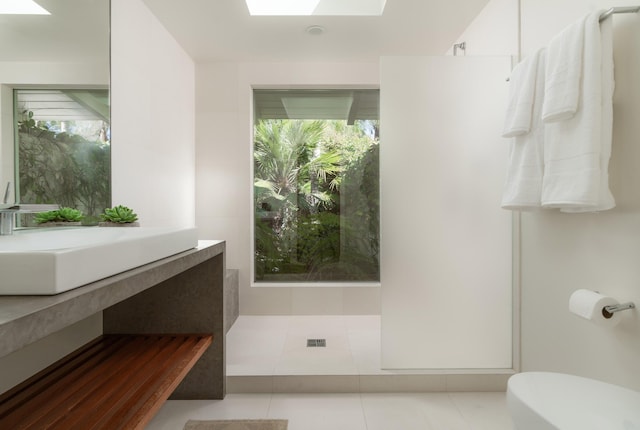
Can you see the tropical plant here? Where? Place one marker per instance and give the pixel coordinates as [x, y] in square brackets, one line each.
[59, 215]
[119, 214]
[300, 227]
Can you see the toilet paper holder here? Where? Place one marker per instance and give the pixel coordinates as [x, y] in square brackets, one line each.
[608, 311]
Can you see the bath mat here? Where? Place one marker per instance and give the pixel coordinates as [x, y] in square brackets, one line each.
[236, 425]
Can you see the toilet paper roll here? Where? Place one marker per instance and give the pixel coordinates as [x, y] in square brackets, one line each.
[589, 305]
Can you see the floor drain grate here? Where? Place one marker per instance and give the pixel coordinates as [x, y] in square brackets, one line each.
[316, 343]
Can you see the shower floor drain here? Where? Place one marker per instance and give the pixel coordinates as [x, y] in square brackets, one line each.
[316, 343]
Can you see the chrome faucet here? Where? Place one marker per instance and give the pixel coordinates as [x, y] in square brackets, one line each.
[6, 193]
[8, 212]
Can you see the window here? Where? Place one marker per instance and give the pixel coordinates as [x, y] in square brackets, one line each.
[63, 149]
[316, 186]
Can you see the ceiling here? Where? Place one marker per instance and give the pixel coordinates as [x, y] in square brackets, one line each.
[76, 30]
[220, 30]
[223, 30]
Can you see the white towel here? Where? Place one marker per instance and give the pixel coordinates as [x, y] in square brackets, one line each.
[563, 70]
[523, 186]
[605, 199]
[574, 151]
[521, 93]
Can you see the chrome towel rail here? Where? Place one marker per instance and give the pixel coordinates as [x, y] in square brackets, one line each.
[622, 9]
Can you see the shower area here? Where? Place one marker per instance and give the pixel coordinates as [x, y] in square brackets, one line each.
[443, 312]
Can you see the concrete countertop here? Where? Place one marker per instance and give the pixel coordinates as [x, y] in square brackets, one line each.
[26, 319]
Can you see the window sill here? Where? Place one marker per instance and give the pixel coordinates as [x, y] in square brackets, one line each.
[315, 284]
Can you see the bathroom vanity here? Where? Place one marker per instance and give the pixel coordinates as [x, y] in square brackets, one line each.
[179, 294]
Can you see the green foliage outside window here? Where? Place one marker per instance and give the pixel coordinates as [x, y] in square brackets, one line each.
[62, 168]
[316, 197]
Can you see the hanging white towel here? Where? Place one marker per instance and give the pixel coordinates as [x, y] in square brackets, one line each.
[523, 186]
[563, 70]
[521, 94]
[573, 148]
[605, 199]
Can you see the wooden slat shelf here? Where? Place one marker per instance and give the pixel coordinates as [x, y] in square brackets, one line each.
[113, 382]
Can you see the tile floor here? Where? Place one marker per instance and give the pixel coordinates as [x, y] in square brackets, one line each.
[276, 345]
[416, 411]
[268, 354]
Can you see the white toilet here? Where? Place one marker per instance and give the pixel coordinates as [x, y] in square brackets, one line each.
[556, 401]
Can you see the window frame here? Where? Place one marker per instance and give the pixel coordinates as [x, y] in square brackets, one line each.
[252, 263]
[10, 97]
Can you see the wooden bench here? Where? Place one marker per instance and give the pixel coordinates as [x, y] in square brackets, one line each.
[113, 382]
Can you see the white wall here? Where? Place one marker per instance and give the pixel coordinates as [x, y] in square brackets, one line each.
[153, 118]
[224, 157]
[598, 251]
[17, 73]
[494, 31]
[563, 252]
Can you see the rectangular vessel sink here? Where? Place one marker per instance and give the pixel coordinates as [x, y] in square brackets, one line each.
[53, 261]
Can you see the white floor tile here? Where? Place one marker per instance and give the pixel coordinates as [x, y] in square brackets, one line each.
[175, 413]
[319, 411]
[259, 345]
[255, 344]
[365, 350]
[333, 359]
[484, 411]
[316, 323]
[394, 411]
[362, 322]
[425, 411]
[252, 351]
[275, 322]
[403, 411]
[276, 346]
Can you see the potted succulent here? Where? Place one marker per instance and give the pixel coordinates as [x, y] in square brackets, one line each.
[119, 216]
[59, 217]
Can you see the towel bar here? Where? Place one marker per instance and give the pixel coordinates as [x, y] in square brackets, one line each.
[623, 9]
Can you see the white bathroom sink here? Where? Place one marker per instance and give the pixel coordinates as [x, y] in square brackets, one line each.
[55, 260]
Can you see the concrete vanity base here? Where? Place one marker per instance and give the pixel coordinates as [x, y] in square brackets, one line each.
[183, 293]
[231, 298]
[189, 302]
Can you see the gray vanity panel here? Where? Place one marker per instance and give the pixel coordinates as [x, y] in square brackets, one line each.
[182, 293]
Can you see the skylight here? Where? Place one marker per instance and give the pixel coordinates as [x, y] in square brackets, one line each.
[316, 7]
[21, 7]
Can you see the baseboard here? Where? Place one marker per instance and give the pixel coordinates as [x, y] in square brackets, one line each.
[379, 383]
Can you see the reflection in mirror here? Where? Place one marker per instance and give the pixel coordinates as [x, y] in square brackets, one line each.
[54, 104]
[63, 150]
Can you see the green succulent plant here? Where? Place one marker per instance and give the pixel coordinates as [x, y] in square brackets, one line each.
[119, 214]
[59, 215]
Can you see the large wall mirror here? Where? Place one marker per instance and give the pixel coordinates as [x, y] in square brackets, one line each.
[54, 105]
